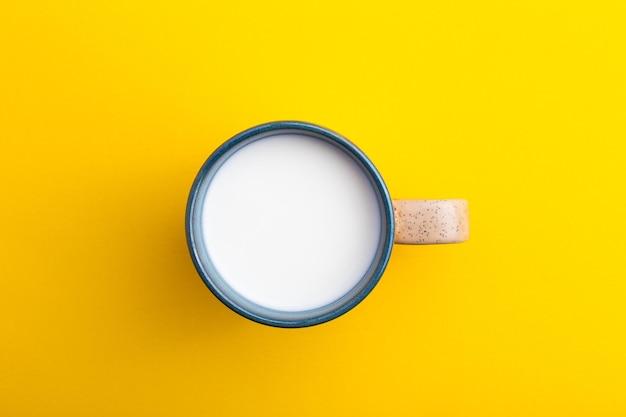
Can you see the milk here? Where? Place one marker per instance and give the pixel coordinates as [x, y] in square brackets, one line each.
[291, 222]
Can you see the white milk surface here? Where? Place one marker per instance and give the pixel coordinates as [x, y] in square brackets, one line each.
[291, 222]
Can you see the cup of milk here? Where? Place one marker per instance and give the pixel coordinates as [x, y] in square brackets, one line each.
[289, 224]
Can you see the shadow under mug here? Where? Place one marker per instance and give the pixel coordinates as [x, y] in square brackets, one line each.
[402, 221]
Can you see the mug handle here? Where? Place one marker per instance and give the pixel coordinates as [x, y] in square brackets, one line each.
[423, 222]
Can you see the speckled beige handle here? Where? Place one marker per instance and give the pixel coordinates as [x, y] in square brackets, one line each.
[423, 222]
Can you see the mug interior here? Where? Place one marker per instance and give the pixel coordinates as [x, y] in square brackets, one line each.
[233, 299]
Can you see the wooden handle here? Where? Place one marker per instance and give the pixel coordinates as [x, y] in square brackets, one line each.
[423, 222]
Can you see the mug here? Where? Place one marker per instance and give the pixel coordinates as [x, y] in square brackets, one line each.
[289, 224]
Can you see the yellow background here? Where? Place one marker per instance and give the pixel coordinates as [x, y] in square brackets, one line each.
[108, 109]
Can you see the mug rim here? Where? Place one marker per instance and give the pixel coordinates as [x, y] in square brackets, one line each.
[203, 264]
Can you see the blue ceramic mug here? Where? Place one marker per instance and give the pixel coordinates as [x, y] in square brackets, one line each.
[289, 224]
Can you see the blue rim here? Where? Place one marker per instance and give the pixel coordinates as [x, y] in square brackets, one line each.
[221, 290]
